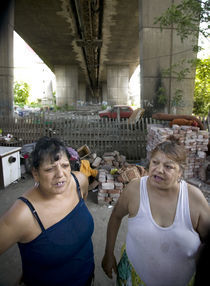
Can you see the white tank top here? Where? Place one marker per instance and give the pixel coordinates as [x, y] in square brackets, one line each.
[162, 256]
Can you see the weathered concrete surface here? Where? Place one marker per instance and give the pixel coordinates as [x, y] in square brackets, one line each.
[10, 263]
[6, 57]
[49, 27]
[160, 50]
[94, 35]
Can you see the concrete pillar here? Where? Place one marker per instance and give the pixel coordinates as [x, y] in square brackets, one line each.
[160, 50]
[117, 84]
[104, 92]
[47, 98]
[66, 85]
[82, 92]
[6, 58]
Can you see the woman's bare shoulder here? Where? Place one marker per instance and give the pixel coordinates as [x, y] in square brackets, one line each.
[133, 196]
[83, 182]
[133, 187]
[197, 201]
[80, 176]
[195, 194]
[199, 209]
[18, 213]
[13, 224]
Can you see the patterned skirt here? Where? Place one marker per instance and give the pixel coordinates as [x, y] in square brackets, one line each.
[126, 274]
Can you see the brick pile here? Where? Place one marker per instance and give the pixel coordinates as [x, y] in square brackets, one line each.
[109, 188]
[195, 142]
[114, 172]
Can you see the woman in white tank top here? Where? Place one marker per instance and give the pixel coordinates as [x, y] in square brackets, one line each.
[167, 220]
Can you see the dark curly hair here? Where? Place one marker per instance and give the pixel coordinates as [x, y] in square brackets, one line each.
[48, 147]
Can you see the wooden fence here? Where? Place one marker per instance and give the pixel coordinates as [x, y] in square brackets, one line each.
[100, 135]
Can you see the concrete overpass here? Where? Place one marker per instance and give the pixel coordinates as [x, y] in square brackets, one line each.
[93, 47]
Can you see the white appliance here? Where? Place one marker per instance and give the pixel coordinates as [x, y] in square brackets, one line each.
[9, 165]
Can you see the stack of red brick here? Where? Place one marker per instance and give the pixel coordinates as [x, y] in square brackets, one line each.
[114, 172]
[109, 187]
[195, 142]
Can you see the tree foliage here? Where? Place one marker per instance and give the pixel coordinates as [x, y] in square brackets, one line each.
[21, 93]
[185, 17]
[202, 88]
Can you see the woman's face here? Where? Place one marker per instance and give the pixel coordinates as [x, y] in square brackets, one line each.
[53, 177]
[163, 172]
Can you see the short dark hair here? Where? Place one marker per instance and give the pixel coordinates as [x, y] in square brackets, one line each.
[173, 149]
[48, 147]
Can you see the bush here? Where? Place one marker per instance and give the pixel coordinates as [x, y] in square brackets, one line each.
[201, 104]
[21, 93]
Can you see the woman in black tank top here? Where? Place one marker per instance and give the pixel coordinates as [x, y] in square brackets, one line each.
[51, 222]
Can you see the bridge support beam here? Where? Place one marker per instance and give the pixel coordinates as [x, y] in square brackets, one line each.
[117, 84]
[104, 92]
[82, 92]
[6, 58]
[160, 50]
[66, 85]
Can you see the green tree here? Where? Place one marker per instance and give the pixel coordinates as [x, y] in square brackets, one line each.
[202, 88]
[160, 99]
[185, 17]
[21, 93]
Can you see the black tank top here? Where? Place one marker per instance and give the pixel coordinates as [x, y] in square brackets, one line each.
[63, 253]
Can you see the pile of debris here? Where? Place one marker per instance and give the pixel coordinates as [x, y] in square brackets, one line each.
[195, 142]
[9, 138]
[114, 172]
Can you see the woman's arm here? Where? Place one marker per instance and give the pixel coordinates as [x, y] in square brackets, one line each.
[120, 210]
[204, 219]
[200, 211]
[11, 226]
[128, 204]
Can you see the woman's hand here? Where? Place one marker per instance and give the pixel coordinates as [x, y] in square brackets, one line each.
[108, 264]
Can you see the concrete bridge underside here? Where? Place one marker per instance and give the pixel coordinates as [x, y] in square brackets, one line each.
[94, 47]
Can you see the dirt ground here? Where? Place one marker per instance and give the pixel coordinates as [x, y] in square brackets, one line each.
[10, 263]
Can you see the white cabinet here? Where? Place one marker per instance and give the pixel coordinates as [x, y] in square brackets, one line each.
[9, 165]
